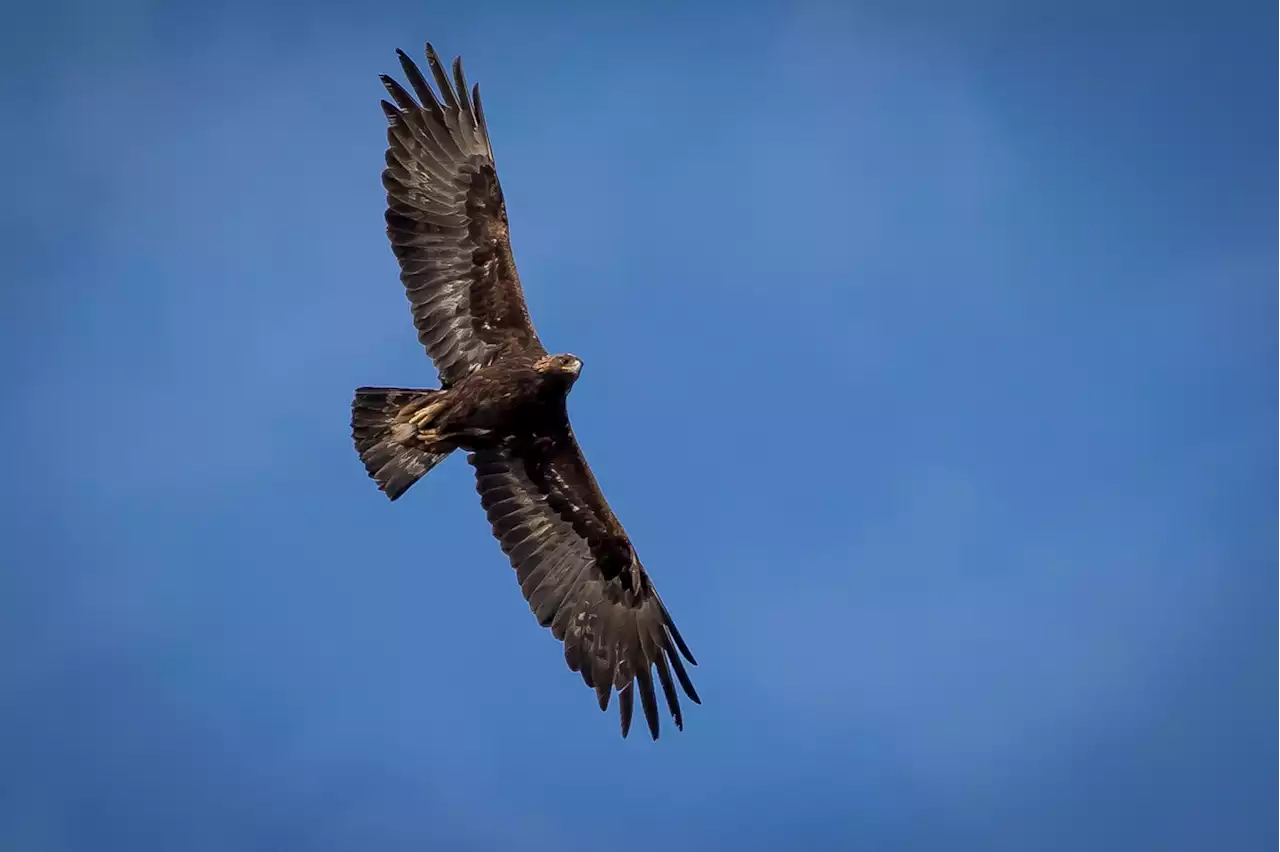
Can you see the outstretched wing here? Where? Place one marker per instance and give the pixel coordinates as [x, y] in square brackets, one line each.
[447, 223]
[580, 575]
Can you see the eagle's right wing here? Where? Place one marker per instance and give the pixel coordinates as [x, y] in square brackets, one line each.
[447, 222]
[581, 577]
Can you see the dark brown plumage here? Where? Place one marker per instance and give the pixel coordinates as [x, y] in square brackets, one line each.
[502, 401]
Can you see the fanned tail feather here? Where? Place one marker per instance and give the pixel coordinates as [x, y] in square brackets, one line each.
[393, 464]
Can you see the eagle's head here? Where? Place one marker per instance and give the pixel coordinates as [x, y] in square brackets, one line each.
[564, 367]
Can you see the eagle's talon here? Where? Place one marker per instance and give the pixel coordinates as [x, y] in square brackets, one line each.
[423, 416]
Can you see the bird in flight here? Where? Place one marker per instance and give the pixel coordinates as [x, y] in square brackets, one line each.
[502, 401]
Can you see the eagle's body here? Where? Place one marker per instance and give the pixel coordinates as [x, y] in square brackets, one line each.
[503, 401]
[514, 399]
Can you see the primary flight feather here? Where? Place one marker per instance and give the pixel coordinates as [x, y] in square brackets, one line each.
[502, 400]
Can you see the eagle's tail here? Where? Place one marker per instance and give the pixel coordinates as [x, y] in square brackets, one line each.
[385, 439]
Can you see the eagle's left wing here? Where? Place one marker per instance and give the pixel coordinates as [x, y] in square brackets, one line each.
[581, 577]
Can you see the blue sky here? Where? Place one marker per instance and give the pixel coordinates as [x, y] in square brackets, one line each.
[928, 363]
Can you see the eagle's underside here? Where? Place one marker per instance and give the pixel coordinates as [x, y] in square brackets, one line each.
[502, 401]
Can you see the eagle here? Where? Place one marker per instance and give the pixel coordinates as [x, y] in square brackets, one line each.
[502, 400]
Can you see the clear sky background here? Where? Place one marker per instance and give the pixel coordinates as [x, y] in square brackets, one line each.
[929, 363]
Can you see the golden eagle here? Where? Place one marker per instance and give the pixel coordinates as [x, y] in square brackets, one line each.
[502, 400]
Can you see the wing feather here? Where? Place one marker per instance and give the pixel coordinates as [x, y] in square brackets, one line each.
[581, 577]
[447, 223]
